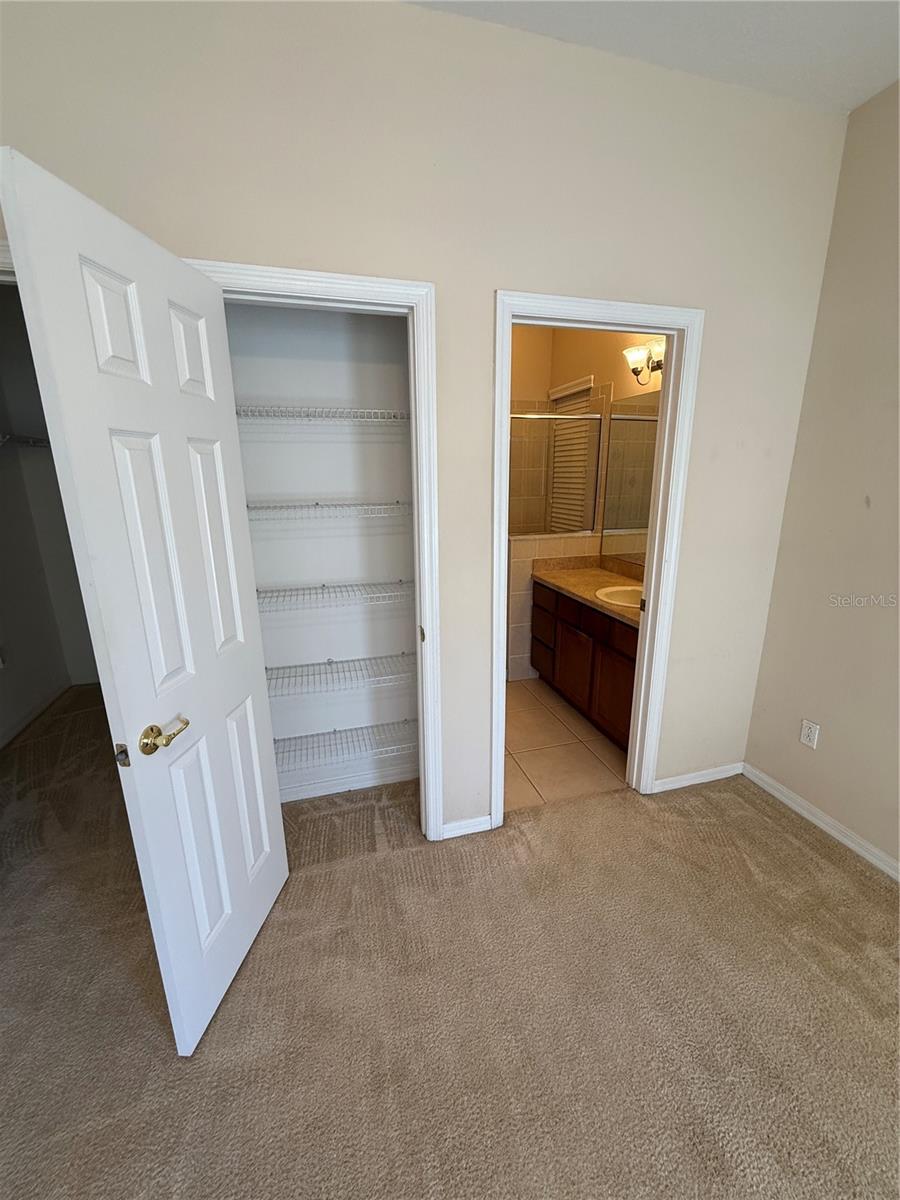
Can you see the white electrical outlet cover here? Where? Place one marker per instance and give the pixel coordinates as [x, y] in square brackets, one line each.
[809, 734]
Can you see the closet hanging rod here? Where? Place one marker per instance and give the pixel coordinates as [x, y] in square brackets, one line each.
[633, 417]
[21, 439]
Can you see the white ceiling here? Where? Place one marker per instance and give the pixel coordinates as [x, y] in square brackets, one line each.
[832, 54]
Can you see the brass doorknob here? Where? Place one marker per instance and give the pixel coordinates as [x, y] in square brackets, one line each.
[153, 737]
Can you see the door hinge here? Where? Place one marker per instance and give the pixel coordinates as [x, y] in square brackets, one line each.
[643, 604]
[421, 634]
[122, 755]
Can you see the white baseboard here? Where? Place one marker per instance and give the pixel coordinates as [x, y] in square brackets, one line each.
[460, 828]
[834, 828]
[707, 776]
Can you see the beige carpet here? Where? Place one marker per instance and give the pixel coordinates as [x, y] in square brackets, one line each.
[687, 996]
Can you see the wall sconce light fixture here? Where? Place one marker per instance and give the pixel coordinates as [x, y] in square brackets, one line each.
[647, 358]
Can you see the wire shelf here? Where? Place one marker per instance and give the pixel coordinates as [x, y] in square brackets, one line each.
[288, 510]
[319, 412]
[344, 745]
[333, 595]
[340, 675]
[24, 439]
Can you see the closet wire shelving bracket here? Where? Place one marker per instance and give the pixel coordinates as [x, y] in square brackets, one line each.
[282, 412]
[289, 510]
[21, 439]
[320, 422]
[340, 675]
[345, 745]
[334, 595]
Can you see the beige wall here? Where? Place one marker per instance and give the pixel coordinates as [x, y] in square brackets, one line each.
[545, 356]
[832, 664]
[532, 362]
[389, 140]
[597, 352]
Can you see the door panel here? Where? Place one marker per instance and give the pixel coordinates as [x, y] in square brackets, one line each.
[151, 541]
[215, 533]
[248, 785]
[201, 841]
[191, 352]
[131, 355]
[115, 322]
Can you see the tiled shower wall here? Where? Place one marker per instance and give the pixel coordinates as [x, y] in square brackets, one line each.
[522, 553]
[528, 448]
[625, 543]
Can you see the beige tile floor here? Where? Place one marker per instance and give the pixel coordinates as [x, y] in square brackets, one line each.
[552, 752]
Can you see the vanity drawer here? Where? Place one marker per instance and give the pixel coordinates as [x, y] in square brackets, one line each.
[542, 659]
[544, 597]
[569, 610]
[543, 626]
[624, 638]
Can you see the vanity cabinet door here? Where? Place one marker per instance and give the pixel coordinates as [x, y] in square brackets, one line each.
[572, 664]
[612, 690]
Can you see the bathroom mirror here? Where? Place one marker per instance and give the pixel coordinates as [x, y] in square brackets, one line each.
[628, 485]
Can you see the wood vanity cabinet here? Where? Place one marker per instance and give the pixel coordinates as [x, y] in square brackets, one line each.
[613, 688]
[572, 665]
[587, 656]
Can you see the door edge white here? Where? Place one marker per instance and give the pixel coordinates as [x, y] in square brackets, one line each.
[684, 326]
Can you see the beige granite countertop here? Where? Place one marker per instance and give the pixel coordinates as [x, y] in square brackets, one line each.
[579, 581]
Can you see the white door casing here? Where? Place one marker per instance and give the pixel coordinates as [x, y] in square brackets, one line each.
[683, 329]
[131, 355]
[415, 301]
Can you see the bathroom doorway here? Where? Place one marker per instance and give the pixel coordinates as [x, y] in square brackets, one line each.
[592, 422]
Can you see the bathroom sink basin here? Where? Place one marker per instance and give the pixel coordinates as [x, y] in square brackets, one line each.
[627, 597]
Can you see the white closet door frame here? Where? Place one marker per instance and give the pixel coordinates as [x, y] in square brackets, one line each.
[415, 301]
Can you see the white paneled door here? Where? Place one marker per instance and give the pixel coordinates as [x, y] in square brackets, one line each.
[132, 359]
